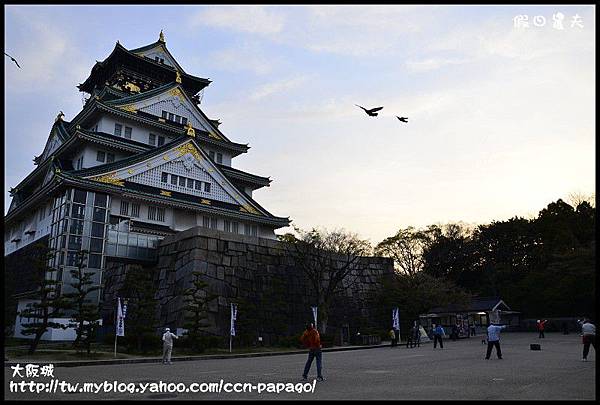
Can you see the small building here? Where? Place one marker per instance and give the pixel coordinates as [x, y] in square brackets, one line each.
[481, 311]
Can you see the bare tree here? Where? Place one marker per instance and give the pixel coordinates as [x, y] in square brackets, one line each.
[406, 248]
[575, 198]
[331, 262]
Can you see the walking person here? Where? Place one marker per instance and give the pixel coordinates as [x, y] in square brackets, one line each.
[493, 340]
[311, 339]
[588, 332]
[438, 333]
[417, 334]
[167, 338]
[472, 329]
[392, 335]
[541, 325]
[409, 339]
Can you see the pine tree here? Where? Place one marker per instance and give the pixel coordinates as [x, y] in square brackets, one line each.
[196, 299]
[139, 290]
[50, 305]
[85, 313]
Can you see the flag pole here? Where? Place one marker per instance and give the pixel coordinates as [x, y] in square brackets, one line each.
[116, 325]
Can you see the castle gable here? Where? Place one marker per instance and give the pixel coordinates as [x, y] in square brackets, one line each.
[185, 169]
[171, 100]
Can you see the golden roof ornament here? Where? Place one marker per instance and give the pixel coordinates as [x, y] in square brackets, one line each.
[189, 129]
[59, 117]
[161, 36]
[177, 77]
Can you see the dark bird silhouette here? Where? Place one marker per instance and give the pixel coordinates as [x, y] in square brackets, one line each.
[13, 59]
[403, 119]
[371, 112]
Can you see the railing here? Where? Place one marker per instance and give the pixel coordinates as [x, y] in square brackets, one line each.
[131, 245]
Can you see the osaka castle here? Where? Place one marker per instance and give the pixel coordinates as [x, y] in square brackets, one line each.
[139, 162]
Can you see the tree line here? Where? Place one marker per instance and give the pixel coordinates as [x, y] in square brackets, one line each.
[542, 266]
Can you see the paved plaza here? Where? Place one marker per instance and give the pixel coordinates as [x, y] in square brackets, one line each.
[459, 371]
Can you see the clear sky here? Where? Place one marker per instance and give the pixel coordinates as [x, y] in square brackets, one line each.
[501, 119]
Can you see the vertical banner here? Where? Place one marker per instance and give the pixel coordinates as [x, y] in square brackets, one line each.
[120, 319]
[314, 312]
[233, 318]
[396, 318]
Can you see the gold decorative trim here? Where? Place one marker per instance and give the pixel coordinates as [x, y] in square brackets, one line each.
[161, 120]
[189, 148]
[129, 108]
[130, 171]
[149, 164]
[132, 87]
[110, 179]
[250, 209]
[161, 36]
[176, 92]
[166, 157]
[177, 77]
[190, 129]
[210, 134]
[203, 201]
[165, 193]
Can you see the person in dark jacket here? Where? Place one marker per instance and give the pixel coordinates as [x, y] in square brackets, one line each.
[311, 339]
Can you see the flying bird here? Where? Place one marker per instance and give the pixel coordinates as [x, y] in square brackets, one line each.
[403, 119]
[371, 112]
[13, 59]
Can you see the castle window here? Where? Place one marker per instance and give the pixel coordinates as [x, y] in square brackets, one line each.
[211, 155]
[205, 222]
[165, 114]
[227, 225]
[128, 132]
[171, 117]
[164, 177]
[207, 187]
[182, 181]
[183, 120]
[110, 157]
[118, 128]
[124, 208]
[219, 158]
[177, 119]
[213, 223]
[235, 227]
[100, 156]
[152, 139]
[198, 185]
[160, 214]
[152, 213]
[173, 179]
[161, 140]
[135, 210]
[190, 183]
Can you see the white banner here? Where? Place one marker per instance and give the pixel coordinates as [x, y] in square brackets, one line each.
[120, 324]
[396, 319]
[314, 311]
[233, 318]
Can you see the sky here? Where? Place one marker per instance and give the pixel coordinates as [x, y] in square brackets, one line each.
[501, 118]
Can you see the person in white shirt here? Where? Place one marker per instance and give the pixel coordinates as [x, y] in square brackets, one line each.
[588, 331]
[493, 332]
[168, 345]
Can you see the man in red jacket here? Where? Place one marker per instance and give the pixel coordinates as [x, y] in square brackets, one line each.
[541, 325]
[311, 339]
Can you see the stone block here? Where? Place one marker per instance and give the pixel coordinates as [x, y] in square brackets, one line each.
[212, 244]
[211, 270]
[221, 273]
